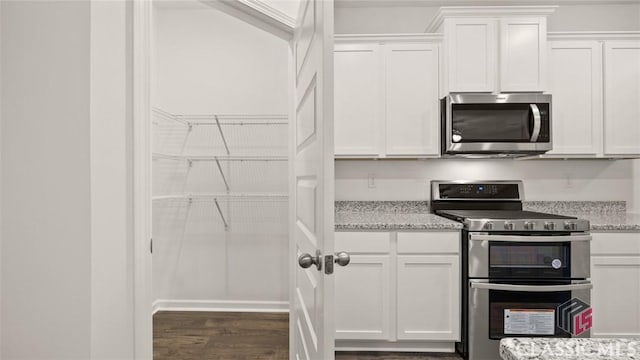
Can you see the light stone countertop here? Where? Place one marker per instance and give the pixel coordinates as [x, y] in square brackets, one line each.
[389, 215]
[569, 349]
[602, 215]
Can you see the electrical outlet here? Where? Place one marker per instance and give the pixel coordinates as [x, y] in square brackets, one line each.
[371, 181]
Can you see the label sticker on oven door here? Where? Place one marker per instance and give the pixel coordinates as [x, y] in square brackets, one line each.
[529, 321]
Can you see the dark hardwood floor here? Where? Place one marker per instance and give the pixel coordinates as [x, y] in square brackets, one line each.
[189, 335]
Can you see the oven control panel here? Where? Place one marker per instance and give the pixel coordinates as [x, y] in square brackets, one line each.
[477, 190]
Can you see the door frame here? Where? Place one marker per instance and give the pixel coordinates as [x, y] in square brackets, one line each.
[267, 19]
[141, 196]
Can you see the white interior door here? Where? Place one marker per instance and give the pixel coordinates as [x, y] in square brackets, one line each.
[311, 290]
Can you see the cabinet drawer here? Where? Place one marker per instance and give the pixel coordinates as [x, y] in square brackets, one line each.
[429, 242]
[615, 244]
[362, 242]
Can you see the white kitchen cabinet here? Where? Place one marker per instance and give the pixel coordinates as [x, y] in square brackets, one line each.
[398, 287]
[615, 273]
[411, 99]
[523, 54]
[357, 99]
[575, 82]
[621, 99]
[428, 297]
[362, 298]
[362, 288]
[386, 96]
[474, 59]
[471, 54]
[428, 285]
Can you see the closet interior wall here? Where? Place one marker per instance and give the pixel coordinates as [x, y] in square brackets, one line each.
[220, 162]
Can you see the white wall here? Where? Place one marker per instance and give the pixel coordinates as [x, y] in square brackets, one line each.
[544, 179]
[374, 20]
[207, 62]
[46, 248]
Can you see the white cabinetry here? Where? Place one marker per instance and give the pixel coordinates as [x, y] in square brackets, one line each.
[357, 98]
[398, 287]
[523, 54]
[428, 296]
[471, 47]
[595, 84]
[474, 62]
[622, 94]
[575, 82]
[362, 288]
[411, 99]
[386, 96]
[615, 273]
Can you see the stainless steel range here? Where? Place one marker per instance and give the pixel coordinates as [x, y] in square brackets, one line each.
[524, 273]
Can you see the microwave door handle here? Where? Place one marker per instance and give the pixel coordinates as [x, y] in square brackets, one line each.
[537, 122]
[586, 285]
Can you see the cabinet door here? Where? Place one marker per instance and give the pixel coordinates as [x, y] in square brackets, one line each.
[411, 99]
[428, 299]
[357, 99]
[363, 298]
[622, 91]
[523, 53]
[471, 54]
[575, 82]
[615, 297]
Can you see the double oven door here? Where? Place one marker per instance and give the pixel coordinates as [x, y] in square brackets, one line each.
[517, 284]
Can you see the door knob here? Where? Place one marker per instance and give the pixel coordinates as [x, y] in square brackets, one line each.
[342, 258]
[306, 260]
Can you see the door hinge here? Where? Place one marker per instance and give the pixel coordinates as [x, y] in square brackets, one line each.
[328, 264]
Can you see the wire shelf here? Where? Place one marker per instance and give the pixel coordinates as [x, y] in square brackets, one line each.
[193, 158]
[246, 210]
[221, 119]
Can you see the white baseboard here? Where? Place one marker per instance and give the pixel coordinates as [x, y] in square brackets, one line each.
[381, 345]
[220, 305]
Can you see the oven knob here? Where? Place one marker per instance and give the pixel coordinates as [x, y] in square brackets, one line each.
[570, 226]
[549, 226]
[529, 225]
[508, 226]
[488, 226]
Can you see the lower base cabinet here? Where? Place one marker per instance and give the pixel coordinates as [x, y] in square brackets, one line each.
[399, 288]
[362, 298]
[428, 296]
[615, 273]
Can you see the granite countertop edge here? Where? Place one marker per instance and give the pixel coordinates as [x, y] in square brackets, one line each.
[415, 215]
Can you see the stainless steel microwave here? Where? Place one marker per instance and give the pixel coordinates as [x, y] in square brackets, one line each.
[495, 125]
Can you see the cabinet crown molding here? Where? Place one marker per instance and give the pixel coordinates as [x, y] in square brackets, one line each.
[594, 35]
[487, 11]
[416, 37]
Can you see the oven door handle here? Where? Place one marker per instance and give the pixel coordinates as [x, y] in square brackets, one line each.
[537, 239]
[586, 285]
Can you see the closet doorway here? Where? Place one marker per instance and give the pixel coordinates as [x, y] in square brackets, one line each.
[220, 100]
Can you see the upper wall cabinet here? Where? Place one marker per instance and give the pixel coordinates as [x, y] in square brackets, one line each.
[594, 79]
[471, 47]
[494, 48]
[622, 97]
[386, 97]
[357, 92]
[575, 82]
